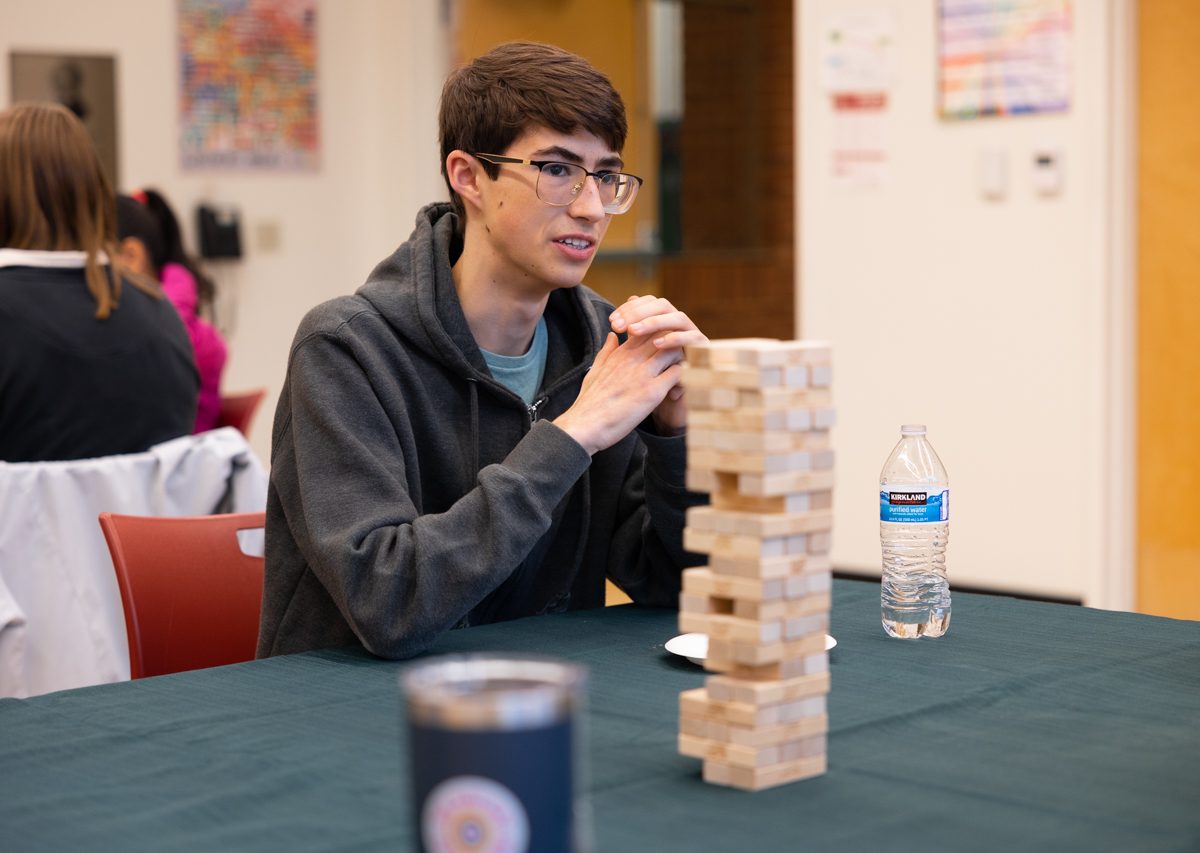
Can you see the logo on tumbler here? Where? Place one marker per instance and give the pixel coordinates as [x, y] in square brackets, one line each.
[471, 814]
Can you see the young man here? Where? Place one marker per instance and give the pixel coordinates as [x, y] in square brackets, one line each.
[466, 439]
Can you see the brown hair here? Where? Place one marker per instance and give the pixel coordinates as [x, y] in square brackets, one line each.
[487, 104]
[54, 195]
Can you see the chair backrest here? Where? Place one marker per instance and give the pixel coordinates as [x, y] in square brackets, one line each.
[191, 595]
[237, 410]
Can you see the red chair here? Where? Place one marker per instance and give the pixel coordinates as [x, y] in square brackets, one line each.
[191, 595]
[237, 410]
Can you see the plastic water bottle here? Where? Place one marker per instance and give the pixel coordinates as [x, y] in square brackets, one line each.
[914, 524]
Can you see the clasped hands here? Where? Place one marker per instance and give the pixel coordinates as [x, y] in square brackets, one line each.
[630, 380]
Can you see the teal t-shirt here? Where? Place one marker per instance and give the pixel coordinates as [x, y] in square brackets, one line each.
[521, 374]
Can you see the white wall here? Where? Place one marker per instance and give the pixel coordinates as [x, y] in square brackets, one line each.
[380, 65]
[984, 319]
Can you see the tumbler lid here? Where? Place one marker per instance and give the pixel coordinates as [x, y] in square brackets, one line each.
[490, 693]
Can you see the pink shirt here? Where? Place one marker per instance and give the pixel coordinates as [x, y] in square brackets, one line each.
[207, 346]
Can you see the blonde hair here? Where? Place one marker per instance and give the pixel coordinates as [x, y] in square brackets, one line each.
[54, 196]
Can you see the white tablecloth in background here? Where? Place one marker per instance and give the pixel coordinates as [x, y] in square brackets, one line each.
[56, 566]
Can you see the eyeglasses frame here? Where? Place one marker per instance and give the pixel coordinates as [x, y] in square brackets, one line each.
[499, 159]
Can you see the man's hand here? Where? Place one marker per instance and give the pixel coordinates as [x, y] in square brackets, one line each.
[634, 379]
[654, 319]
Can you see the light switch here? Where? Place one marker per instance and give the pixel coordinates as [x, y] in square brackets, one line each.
[266, 236]
[1048, 171]
[993, 173]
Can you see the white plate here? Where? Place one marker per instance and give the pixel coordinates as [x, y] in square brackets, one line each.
[694, 647]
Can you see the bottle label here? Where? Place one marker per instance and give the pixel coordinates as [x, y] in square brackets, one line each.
[914, 504]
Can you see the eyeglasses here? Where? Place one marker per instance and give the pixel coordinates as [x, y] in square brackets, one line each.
[558, 184]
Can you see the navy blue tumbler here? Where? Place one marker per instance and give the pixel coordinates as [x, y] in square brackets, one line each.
[493, 748]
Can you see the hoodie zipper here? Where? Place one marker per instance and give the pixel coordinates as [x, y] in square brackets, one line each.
[533, 408]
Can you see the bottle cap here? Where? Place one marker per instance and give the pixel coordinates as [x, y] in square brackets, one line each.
[912, 429]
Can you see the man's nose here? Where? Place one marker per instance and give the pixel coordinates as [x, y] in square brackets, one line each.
[587, 203]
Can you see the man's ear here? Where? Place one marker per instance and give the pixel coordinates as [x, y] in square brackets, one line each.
[135, 257]
[465, 175]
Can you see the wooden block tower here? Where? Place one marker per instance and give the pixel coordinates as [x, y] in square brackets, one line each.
[759, 414]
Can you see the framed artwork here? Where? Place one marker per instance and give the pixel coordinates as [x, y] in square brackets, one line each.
[85, 84]
[248, 84]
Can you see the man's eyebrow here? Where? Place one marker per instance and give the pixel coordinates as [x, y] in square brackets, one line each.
[567, 155]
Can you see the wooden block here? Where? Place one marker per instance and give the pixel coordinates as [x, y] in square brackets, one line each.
[730, 352]
[807, 605]
[771, 351]
[809, 583]
[759, 524]
[764, 568]
[721, 627]
[695, 704]
[792, 710]
[713, 399]
[777, 397]
[729, 440]
[796, 627]
[725, 654]
[820, 543]
[812, 352]
[754, 462]
[815, 408]
[762, 778]
[723, 487]
[758, 485]
[723, 732]
[763, 611]
[796, 614]
[693, 602]
[722, 352]
[724, 544]
[702, 581]
[797, 502]
[704, 481]
[698, 355]
[750, 377]
[783, 670]
[730, 753]
[723, 688]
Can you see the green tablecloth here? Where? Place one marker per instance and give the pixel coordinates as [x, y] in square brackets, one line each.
[1028, 727]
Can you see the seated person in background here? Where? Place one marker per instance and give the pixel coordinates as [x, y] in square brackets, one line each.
[93, 360]
[465, 440]
[191, 292]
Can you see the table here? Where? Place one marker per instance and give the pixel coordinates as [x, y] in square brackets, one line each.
[1030, 726]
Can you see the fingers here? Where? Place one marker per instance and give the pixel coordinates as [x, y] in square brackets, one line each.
[645, 315]
[611, 342]
[679, 340]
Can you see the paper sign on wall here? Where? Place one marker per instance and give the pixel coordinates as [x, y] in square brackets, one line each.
[857, 72]
[1003, 57]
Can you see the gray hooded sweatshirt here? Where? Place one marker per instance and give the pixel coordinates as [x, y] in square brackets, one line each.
[412, 493]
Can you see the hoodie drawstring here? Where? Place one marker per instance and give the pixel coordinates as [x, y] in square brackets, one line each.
[473, 473]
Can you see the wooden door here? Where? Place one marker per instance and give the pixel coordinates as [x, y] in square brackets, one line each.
[1168, 371]
[733, 271]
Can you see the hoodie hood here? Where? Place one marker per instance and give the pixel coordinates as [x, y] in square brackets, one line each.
[432, 319]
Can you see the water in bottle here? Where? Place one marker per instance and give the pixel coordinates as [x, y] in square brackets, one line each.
[914, 524]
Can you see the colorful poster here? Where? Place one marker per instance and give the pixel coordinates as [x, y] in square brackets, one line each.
[248, 84]
[1004, 57]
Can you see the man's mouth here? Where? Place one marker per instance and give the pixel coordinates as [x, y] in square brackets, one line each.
[575, 242]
